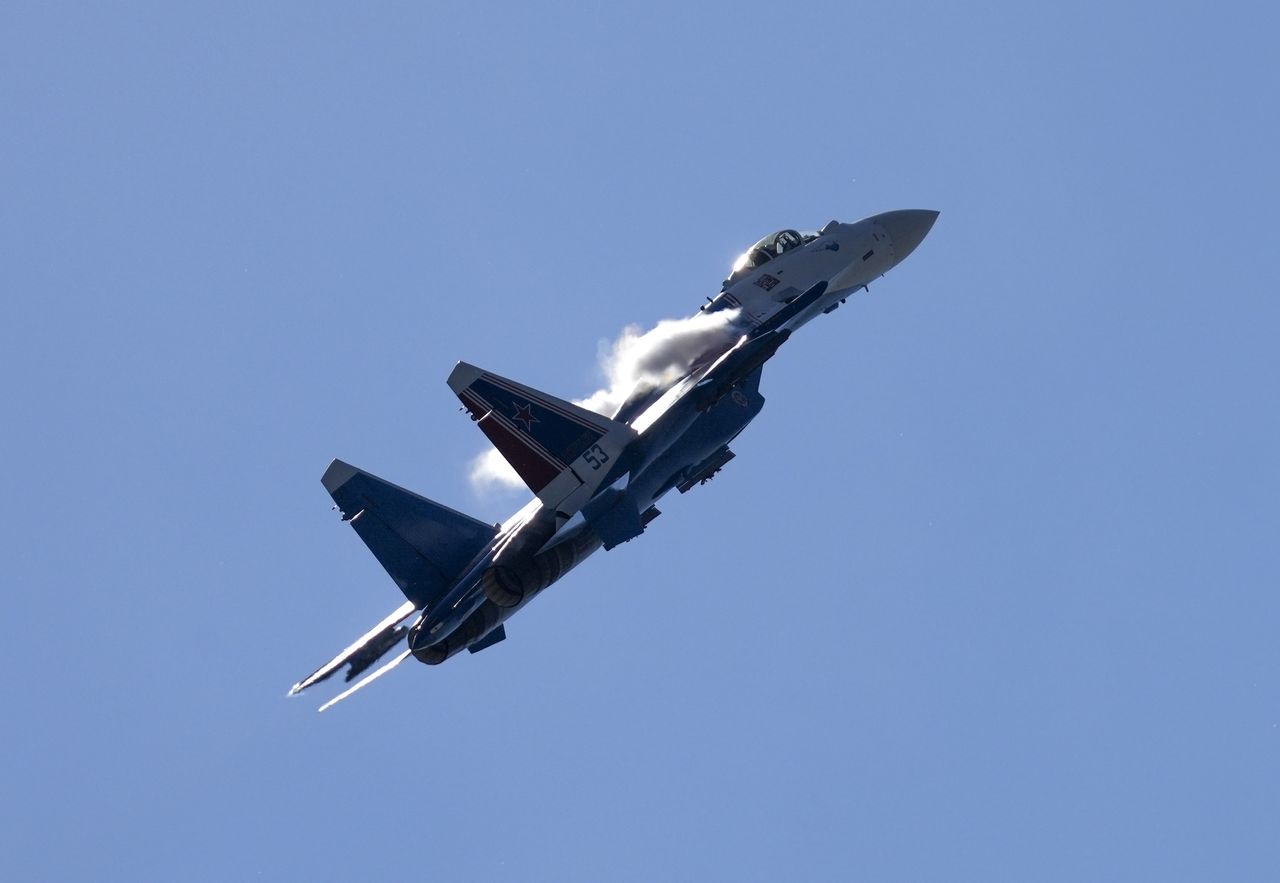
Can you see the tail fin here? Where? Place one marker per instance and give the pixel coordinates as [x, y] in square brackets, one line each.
[422, 545]
[562, 452]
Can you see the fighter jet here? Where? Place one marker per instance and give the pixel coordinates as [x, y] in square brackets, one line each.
[596, 479]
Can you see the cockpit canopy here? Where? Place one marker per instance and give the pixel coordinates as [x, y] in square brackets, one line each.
[765, 250]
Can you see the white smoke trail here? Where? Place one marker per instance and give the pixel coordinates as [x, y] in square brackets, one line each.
[650, 359]
[491, 472]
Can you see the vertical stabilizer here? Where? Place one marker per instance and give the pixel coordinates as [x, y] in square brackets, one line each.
[563, 452]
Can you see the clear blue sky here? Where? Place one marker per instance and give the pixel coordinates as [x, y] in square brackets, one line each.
[990, 592]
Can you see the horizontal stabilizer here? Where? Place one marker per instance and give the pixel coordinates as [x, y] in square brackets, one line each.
[562, 451]
[422, 545]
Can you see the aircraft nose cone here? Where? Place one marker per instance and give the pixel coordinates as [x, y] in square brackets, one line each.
[907, 228]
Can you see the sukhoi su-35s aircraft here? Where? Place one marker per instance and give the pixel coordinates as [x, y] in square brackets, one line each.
[596, 479]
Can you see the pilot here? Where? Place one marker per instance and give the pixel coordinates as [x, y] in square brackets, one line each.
[786, 240]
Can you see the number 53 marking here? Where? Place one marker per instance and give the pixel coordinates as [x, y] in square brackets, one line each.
[596, 456]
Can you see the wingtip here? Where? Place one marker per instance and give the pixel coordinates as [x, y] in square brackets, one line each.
[338, 474]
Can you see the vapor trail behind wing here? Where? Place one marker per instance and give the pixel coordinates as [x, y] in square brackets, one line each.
[366, 680]
[653, 358]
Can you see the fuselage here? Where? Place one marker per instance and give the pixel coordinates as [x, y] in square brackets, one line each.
[684, 429]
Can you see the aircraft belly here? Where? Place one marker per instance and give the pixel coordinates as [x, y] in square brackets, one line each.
[702, 437]
[473, 620]
[457, 606]
[668, 430]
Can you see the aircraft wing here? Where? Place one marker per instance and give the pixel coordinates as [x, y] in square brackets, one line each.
[364, 651]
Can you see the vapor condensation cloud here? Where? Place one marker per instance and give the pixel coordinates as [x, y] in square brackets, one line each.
[636, 359]
[490, 472]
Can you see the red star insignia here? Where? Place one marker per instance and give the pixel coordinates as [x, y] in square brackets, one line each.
[524, 414]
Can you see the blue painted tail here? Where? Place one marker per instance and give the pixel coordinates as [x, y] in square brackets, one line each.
[422, 545]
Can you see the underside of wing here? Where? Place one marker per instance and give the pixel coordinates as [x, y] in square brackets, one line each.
[364, 651]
